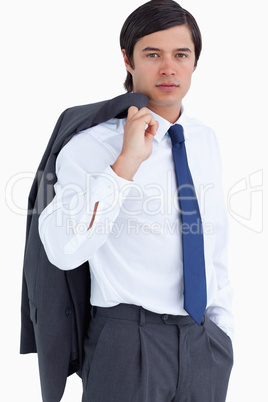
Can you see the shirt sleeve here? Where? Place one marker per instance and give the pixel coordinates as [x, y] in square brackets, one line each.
[84, 177]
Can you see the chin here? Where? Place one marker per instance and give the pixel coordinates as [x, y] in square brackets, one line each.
[165, 102]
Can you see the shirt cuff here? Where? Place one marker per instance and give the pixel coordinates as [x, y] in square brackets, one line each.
[108, 183]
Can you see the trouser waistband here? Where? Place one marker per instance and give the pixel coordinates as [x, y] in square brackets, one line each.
[141, 315]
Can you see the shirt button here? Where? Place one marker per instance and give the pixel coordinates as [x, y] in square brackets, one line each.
[165, 317]
[68, 311]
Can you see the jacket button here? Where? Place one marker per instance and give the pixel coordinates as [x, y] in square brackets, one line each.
[68, 311]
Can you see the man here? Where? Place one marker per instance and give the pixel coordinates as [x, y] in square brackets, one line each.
[116, 206]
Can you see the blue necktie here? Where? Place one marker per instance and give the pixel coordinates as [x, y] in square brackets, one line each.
[195, 293]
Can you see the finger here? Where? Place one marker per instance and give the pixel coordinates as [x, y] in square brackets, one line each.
[138, 113]
[142, 114]
[149, 119]
[132, 110]
[152, 128]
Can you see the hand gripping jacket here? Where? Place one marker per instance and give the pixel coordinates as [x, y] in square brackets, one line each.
[55, 308]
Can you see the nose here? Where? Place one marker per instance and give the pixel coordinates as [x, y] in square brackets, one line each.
[167, 67]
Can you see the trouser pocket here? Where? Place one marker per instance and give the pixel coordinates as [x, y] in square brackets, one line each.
[221, 350]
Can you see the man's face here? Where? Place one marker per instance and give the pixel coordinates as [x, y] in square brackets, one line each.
[163, 66]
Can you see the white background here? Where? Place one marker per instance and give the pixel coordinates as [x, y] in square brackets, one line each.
[62, 53]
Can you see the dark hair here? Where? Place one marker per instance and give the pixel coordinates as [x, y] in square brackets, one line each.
[154, 16]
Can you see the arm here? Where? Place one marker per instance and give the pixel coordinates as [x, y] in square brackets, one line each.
[86, 201]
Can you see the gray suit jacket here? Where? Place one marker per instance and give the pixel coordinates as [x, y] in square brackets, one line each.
[55, 306]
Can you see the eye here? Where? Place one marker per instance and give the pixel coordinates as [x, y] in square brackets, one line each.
[152, 55]
[181, 55]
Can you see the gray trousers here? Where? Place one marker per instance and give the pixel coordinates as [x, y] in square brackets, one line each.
[134, 355]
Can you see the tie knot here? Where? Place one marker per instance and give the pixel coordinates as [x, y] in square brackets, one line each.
[176, 134]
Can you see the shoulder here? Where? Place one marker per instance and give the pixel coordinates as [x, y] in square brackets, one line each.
[98, 142]
[202, 140]
[101, 133]
[199, 131]
[193, 125]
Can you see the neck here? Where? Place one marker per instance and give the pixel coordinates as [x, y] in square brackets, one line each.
[169, 112]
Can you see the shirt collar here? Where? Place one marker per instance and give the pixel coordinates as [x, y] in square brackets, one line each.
[164, 125]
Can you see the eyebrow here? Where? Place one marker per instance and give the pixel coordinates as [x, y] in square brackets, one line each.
[155, 49]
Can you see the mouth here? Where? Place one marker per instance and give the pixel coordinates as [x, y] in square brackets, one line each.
[167, 86]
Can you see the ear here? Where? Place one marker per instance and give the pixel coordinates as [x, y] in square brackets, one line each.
[126, 61]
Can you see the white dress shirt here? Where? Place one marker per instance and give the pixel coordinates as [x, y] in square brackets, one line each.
[134, 246]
